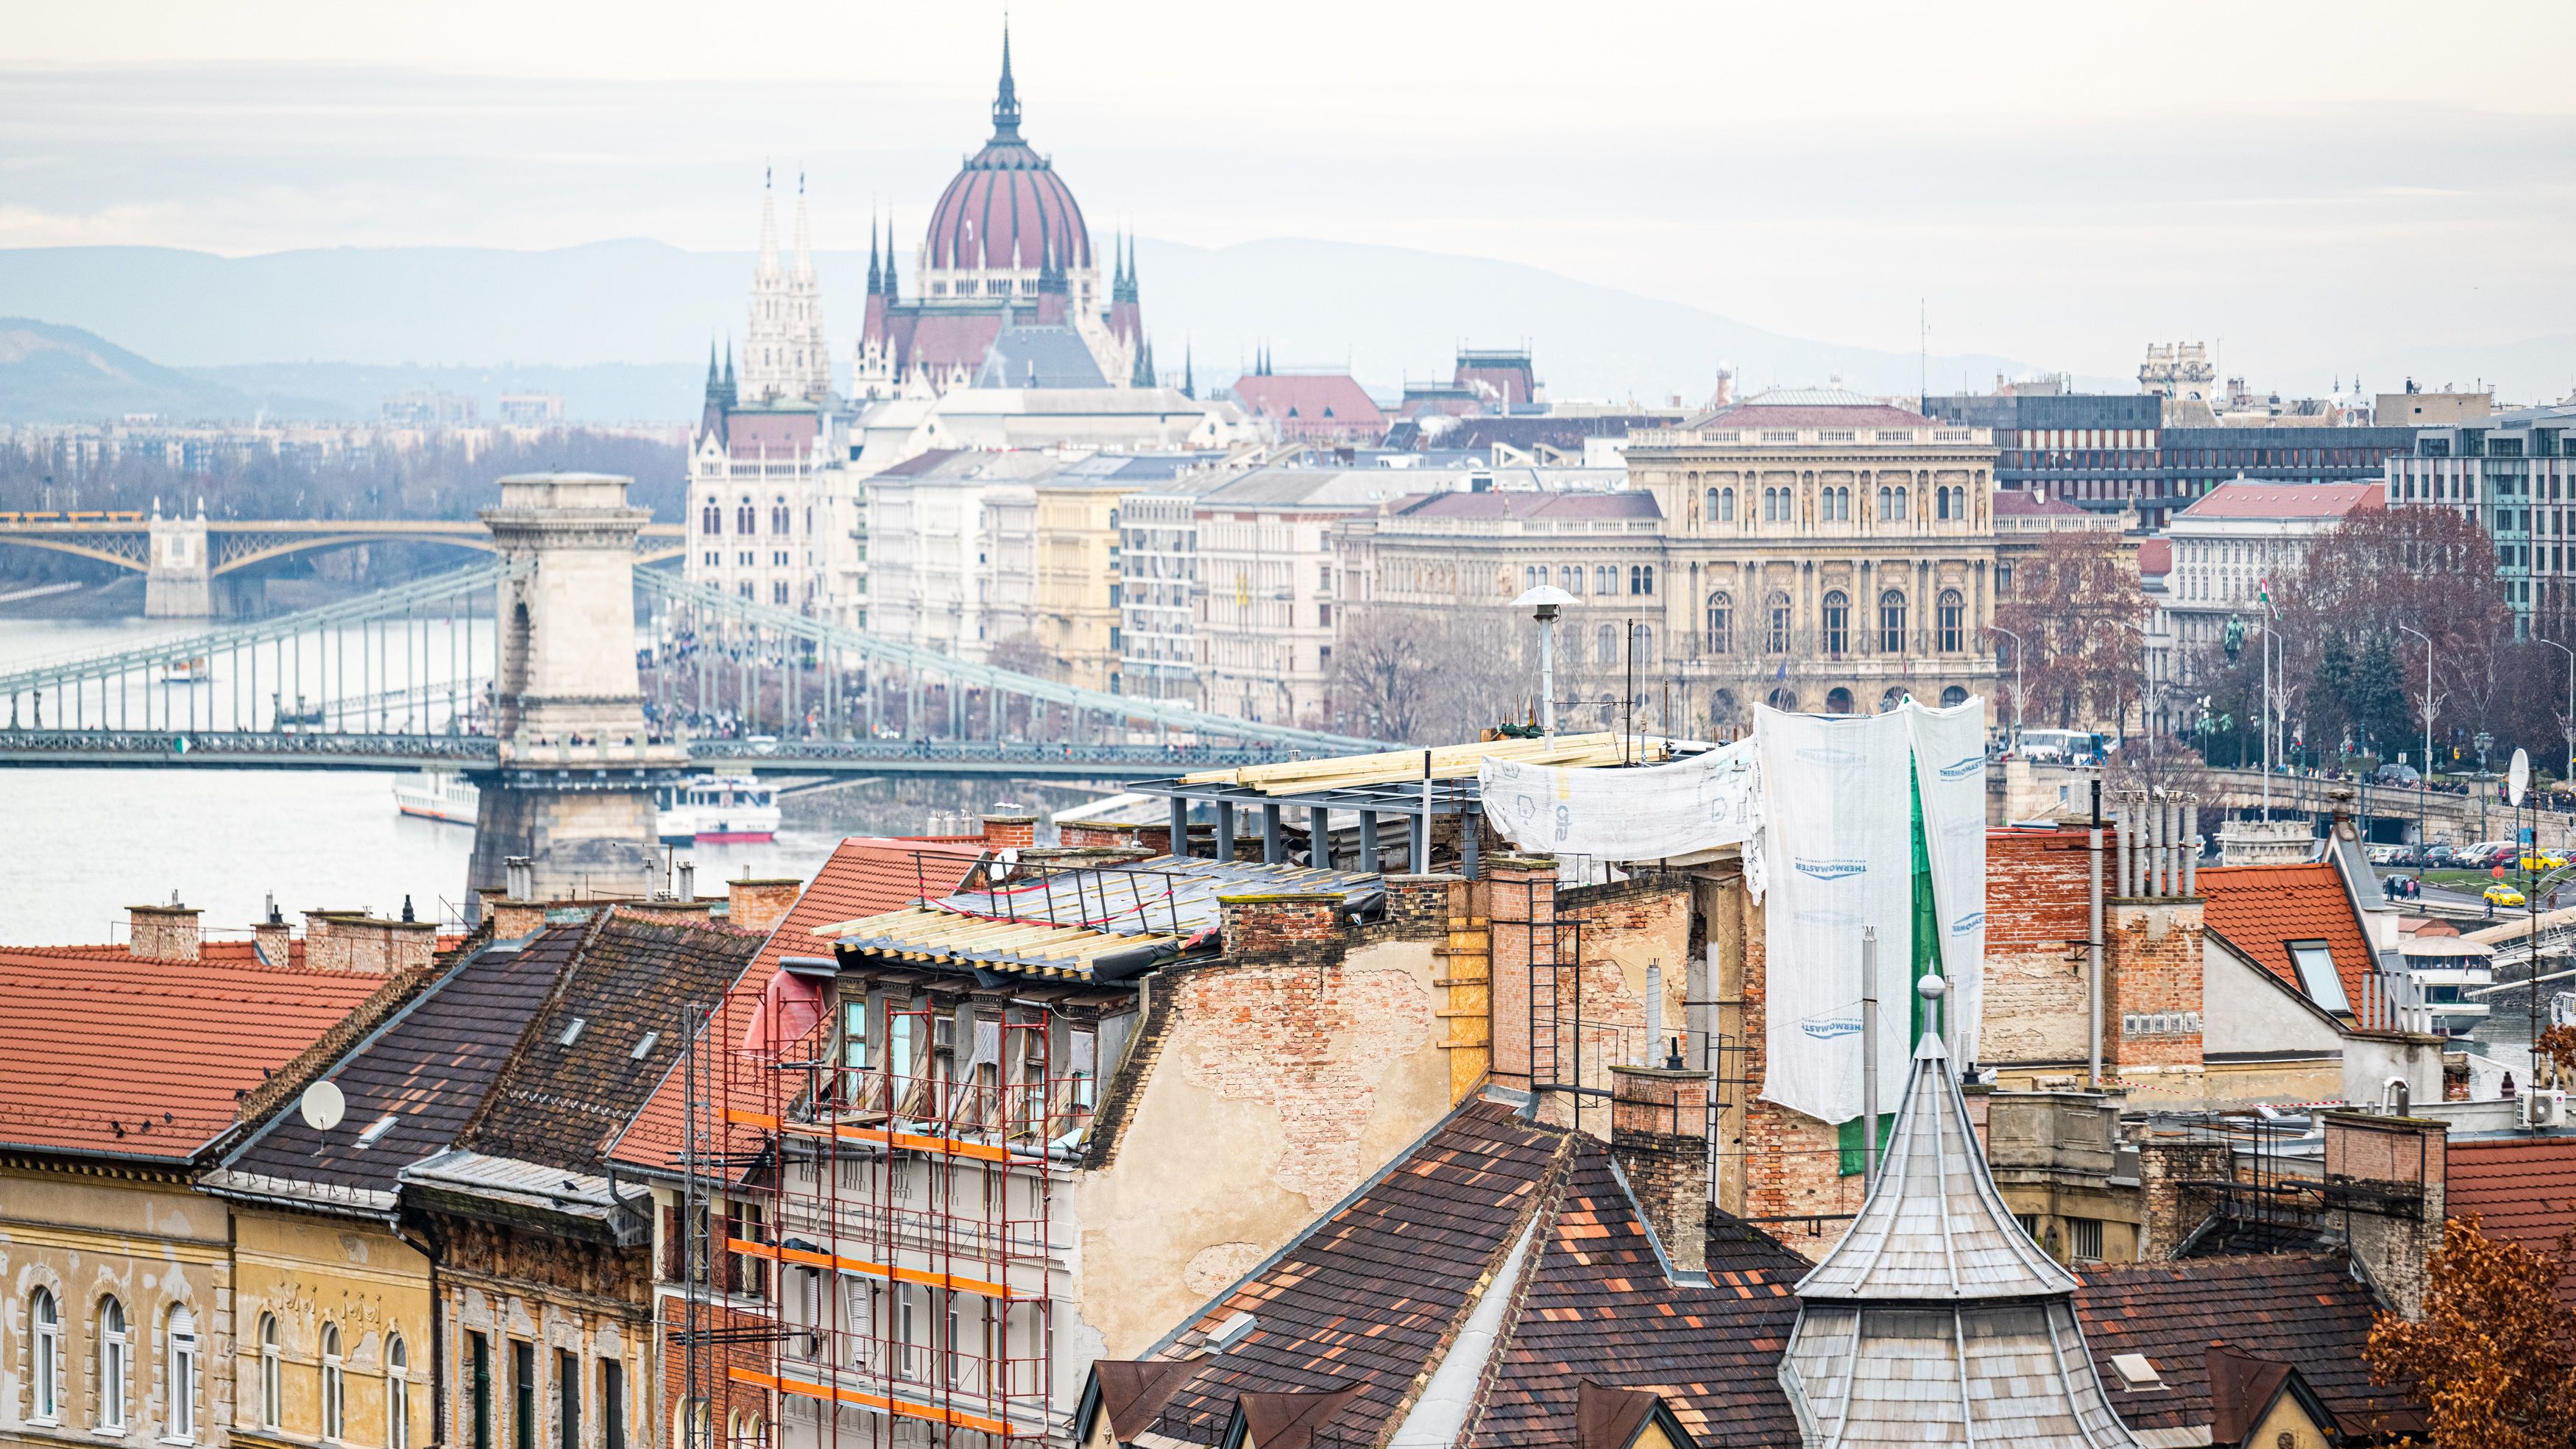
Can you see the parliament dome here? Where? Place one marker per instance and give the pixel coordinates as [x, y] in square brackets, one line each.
[1007, 210]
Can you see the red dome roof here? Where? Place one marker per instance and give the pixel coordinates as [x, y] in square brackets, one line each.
[1007, 210]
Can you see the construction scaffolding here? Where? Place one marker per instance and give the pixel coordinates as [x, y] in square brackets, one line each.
[872, 1177]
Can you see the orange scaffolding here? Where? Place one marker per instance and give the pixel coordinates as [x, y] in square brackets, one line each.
[872, 1187]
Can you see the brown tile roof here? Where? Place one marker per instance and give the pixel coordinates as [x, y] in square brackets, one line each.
[1598, 1306]
[139, 1058]
[866, 875]
[427, 1067]
[2522, 1191]
[1370, 1295]
[2259, 909]
[1518, 503]
[2305, 1311]
[2285, 500]
[620, 999]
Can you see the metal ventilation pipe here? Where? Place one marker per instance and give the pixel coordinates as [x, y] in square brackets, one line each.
[2191, 848]
[2121, 852]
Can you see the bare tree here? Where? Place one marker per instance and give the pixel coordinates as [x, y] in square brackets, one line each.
[2076, 605]
[1427, 677]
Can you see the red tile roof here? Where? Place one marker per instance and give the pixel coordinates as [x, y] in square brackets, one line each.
[1309, 398]
[112, 1054]
[2286, 500]
[2155, 556]
[2522, 1191]
[865, 876]
[777, 435]
[2260, 909]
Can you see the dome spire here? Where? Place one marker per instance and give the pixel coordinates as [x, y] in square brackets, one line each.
[1006, 101]
[875, 280]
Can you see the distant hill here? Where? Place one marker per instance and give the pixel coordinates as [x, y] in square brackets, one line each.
[1386, 312]
[53, 373]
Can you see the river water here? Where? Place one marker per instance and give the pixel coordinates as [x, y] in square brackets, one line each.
[81, 846]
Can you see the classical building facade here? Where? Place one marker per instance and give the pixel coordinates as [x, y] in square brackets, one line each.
[1821, 551]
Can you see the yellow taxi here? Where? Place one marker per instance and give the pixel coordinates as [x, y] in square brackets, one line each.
[2503, 895]
[2544, 862]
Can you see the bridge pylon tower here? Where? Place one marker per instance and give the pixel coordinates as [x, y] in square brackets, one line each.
[179, 581]
[572, 788]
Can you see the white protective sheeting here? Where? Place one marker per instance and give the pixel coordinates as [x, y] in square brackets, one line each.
[1839, 826]
[1950, 768]
[1660, 812]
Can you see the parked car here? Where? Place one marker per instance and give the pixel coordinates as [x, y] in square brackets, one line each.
[2441, 856]
[2543, 861]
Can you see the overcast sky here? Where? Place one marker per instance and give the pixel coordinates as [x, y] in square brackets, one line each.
[2316, 184]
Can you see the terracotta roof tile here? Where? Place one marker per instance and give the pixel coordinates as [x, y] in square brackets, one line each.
[2260, 909]
[2305, 1311]
[865, 876]
[2285, 500]
[2523, 1191]
[99, 1041]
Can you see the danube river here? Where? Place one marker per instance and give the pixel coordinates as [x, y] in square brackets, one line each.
[83, 845]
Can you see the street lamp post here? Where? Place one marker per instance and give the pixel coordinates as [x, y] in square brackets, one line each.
[2424, 771]
[2569, 727]
[2484, 742]
[2019, 649]
[1543, 603]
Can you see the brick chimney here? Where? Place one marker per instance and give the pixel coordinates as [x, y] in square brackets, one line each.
[2395, 1172]
[759, 905]
[1520, 893]
[1077, 834]
[357, 942]
[272, 940]
[163, 933]
[1659, 1137]
[1010, 832]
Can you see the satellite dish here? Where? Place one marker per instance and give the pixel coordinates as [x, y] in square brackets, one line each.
[2519, 783]
[324, 1106]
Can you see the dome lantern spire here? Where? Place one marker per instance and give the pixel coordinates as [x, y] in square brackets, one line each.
[1006, 100]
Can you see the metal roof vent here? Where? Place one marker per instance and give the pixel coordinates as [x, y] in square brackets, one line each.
[643, 1046]
[1231, 1332]
[2135, 1371]
[572, 1033]
[376, 1131]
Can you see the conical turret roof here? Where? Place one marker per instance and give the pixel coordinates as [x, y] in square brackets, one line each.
[1934, 1227]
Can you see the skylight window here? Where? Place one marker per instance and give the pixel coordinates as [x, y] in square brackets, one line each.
[572, 1033]
[2317, 976]
[643, 1046]
[376, 1131]
[2135, 1371]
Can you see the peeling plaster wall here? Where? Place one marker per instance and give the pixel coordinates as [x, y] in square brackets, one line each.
[315, 1270]
[154, 1246]
[1278, 1090]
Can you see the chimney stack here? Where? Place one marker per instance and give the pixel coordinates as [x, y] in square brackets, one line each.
[759, 905]
[521, 872]
[2403, 1163]
[271, 938]
[354, 941]
[1659, 1138]
[163, 933]
[1521, 915]
[1007, 831]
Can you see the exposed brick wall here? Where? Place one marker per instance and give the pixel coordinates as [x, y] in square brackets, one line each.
[2408, 1157]
[1417, 908]
[2037, 919]
[2153, 968]
[759, 905]
[1076, 834]
[1310, 1040]
[365, 944]
[2172, 1210]
[1463, 968]
[1273, 925]
[1520, 896]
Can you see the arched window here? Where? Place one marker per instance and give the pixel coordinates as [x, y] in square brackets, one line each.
[45, 1318]
[1891, 699]
[778, 515]
[335, 1386]
[691, 1430]
[1726, 505]
[1770, 504]
[1899, 515]
[1783, 700]
[1886, 498]
[1721, 624]
[397, 1394]
[1605, 644]
[181, 1373]
[1891, 622]
[1645, 644]
[1570, 578]
[1953, 697]
[1949, 619]
[746, 519]
[1837, 623]
[1605, 578]
[115, 1363]
[1838, 700]
[1709, 509]
[1778, 609]
[272, 1391]
[1842, 505]
[711, 517]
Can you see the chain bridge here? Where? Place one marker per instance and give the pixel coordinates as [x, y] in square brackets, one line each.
[538, 675]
